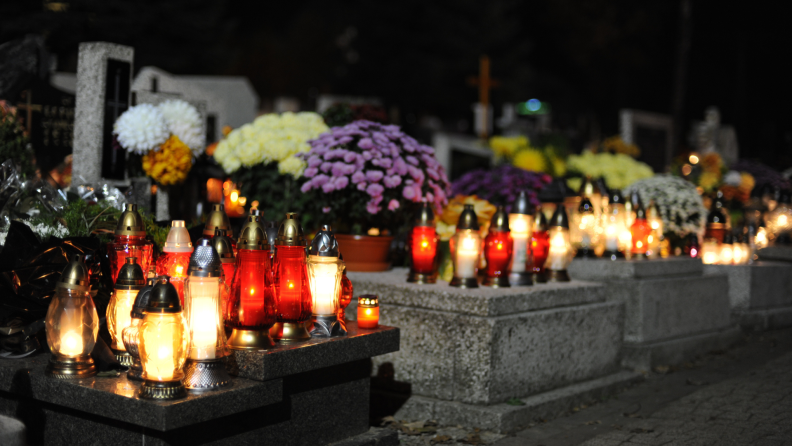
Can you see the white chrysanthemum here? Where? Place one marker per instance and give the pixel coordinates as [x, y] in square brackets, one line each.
[293, 166]
[185, 122]
[141, 128]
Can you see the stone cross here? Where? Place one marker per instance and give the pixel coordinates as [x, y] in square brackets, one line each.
[484, 83]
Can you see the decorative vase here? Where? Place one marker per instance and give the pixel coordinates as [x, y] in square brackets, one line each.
[365, 253]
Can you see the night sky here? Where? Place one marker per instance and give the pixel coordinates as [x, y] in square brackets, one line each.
[587, 58]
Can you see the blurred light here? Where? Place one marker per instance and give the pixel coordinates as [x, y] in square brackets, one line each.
[534, 104]
[374, 231]
[532, 107]
[242, 201]
[153, 189]
[255, 204]
[686, 169]
[214, 190]
[234, 196]
[694, 159]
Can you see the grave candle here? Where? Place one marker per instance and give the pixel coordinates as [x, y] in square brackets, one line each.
[325, 270]
[72, 324]
[131, 334]
[164, 342]
[290, 280]
[560, 251]
[423, 247]
[716, 224]
[540, 247]
[130, 280]
[741, 252]
[465, 248]
[498, 246]
[779, 220]
[586, 236]
[251, 311]
[692, 246]
[175, 256]
[709, 252]
[129, 240]
[726, 252]
[592, 193]
[347, 289]
[224, 246]
[520, 222]
[640, 231]
[368, 311]
[616, 231]
[656, 223]
[218, 219]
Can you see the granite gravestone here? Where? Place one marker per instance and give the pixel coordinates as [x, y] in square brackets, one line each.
[47, 115]
[652, 133]
[460, 154]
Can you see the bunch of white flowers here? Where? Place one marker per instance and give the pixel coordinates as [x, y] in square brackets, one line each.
[271, 138]
[184, 121]
[146, 127]
[677, 200]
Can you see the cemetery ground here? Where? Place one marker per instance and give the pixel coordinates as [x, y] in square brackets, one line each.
[740, 396]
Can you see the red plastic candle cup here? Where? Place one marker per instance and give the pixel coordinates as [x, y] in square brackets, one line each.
[423, 249]
[368, 311]
[540, 248]
[640, 230]
[251, 306]
[174, 264]
[498, 248]
[292, 293]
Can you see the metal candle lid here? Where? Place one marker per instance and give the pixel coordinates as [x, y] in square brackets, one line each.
[716, 217]
[223, 245]
[500, 221]
[560, 218]
[615, 197]
[540, 222]
[142, 298]
[131, 276]
[130, 223]
[252, 237]
[588, 188]
[325, 243]
[468, 219]
[368, 300]
[271, 230]
[217, 219]
[424, 216]
[178, 238]
[290, 232]
[75, 276]
[204, 261]
[163, 297]
[585, 206]
[522, 204]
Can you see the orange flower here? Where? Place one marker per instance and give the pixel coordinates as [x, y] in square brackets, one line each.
[169, 164]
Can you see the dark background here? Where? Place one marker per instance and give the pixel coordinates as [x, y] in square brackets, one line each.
[587, 58]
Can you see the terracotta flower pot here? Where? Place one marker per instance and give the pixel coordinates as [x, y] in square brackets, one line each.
[365, 253]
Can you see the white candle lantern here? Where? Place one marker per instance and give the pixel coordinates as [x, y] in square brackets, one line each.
[520, 223]
[466, 250]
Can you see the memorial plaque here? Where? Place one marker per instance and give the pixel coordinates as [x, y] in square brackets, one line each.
[47, 115]
[116, 103]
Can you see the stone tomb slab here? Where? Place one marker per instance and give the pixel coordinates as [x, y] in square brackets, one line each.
[673, 311]
[760, 293]
[480, 347]
[300, 408]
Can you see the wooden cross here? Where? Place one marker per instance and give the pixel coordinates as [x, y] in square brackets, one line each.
[30, 107]
[484, 83]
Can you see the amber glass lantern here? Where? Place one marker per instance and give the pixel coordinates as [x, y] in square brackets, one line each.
[498, 249]
[291, 287]
[325, 271]
[656, 237]
[205, 369]
[779, 220]
[423, 247]
[640, 232]
[726, 250]
[520, 223]
[163, 343]
[176, 256]
[716, 224]
[251, 310]
[224, 246]
[540, 247]
[590, 190]
[586, 236]
[614, 223]
[129, 240]
[741, 251]
[710, 252]
[218, 219]
[119, 312]
[465, 248]
[130, 334]
[368, 311]
[72, 324]
[560, 253]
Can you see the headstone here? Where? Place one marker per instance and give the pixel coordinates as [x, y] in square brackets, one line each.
[104, 73]
[459, 154]
[652, 133]
[47, 115]
[710, 136]
[286, 104]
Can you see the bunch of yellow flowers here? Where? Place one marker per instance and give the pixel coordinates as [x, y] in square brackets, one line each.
[518, 151]
[619, 170]
[169, 164]
[271, 138]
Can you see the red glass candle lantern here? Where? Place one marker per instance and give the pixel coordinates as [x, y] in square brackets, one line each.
[251, 310]
[498, 248]
[175, 256]
[640, 231]
[520, 222]
[368, 311]
[290, 283]
[423, 247]
[222, 243]
[129, 240]
[218, 219]
[540, 247]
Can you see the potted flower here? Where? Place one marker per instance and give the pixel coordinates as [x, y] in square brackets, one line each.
[367, 178]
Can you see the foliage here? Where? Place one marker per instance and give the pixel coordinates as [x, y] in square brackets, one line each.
[501, 185]
[78, 218]
[277, 193]
[14, 144]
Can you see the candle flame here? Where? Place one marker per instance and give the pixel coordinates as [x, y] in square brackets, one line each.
[368, 311]
[179, 269]
[424, 244]
[291, 285]
[639, 244]
[252, 291]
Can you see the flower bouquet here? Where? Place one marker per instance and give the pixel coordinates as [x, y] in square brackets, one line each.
[368, 175]
[260, 157]
[518, 151]
[501, 185]
[618, 170]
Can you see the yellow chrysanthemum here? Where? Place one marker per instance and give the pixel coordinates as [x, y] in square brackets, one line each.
[293, 166]
[484, 209]
[709, 181]
[619, 170]
[747, 182]
[169, 164]
[507, 146]
[615, 144]
[531, 159]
